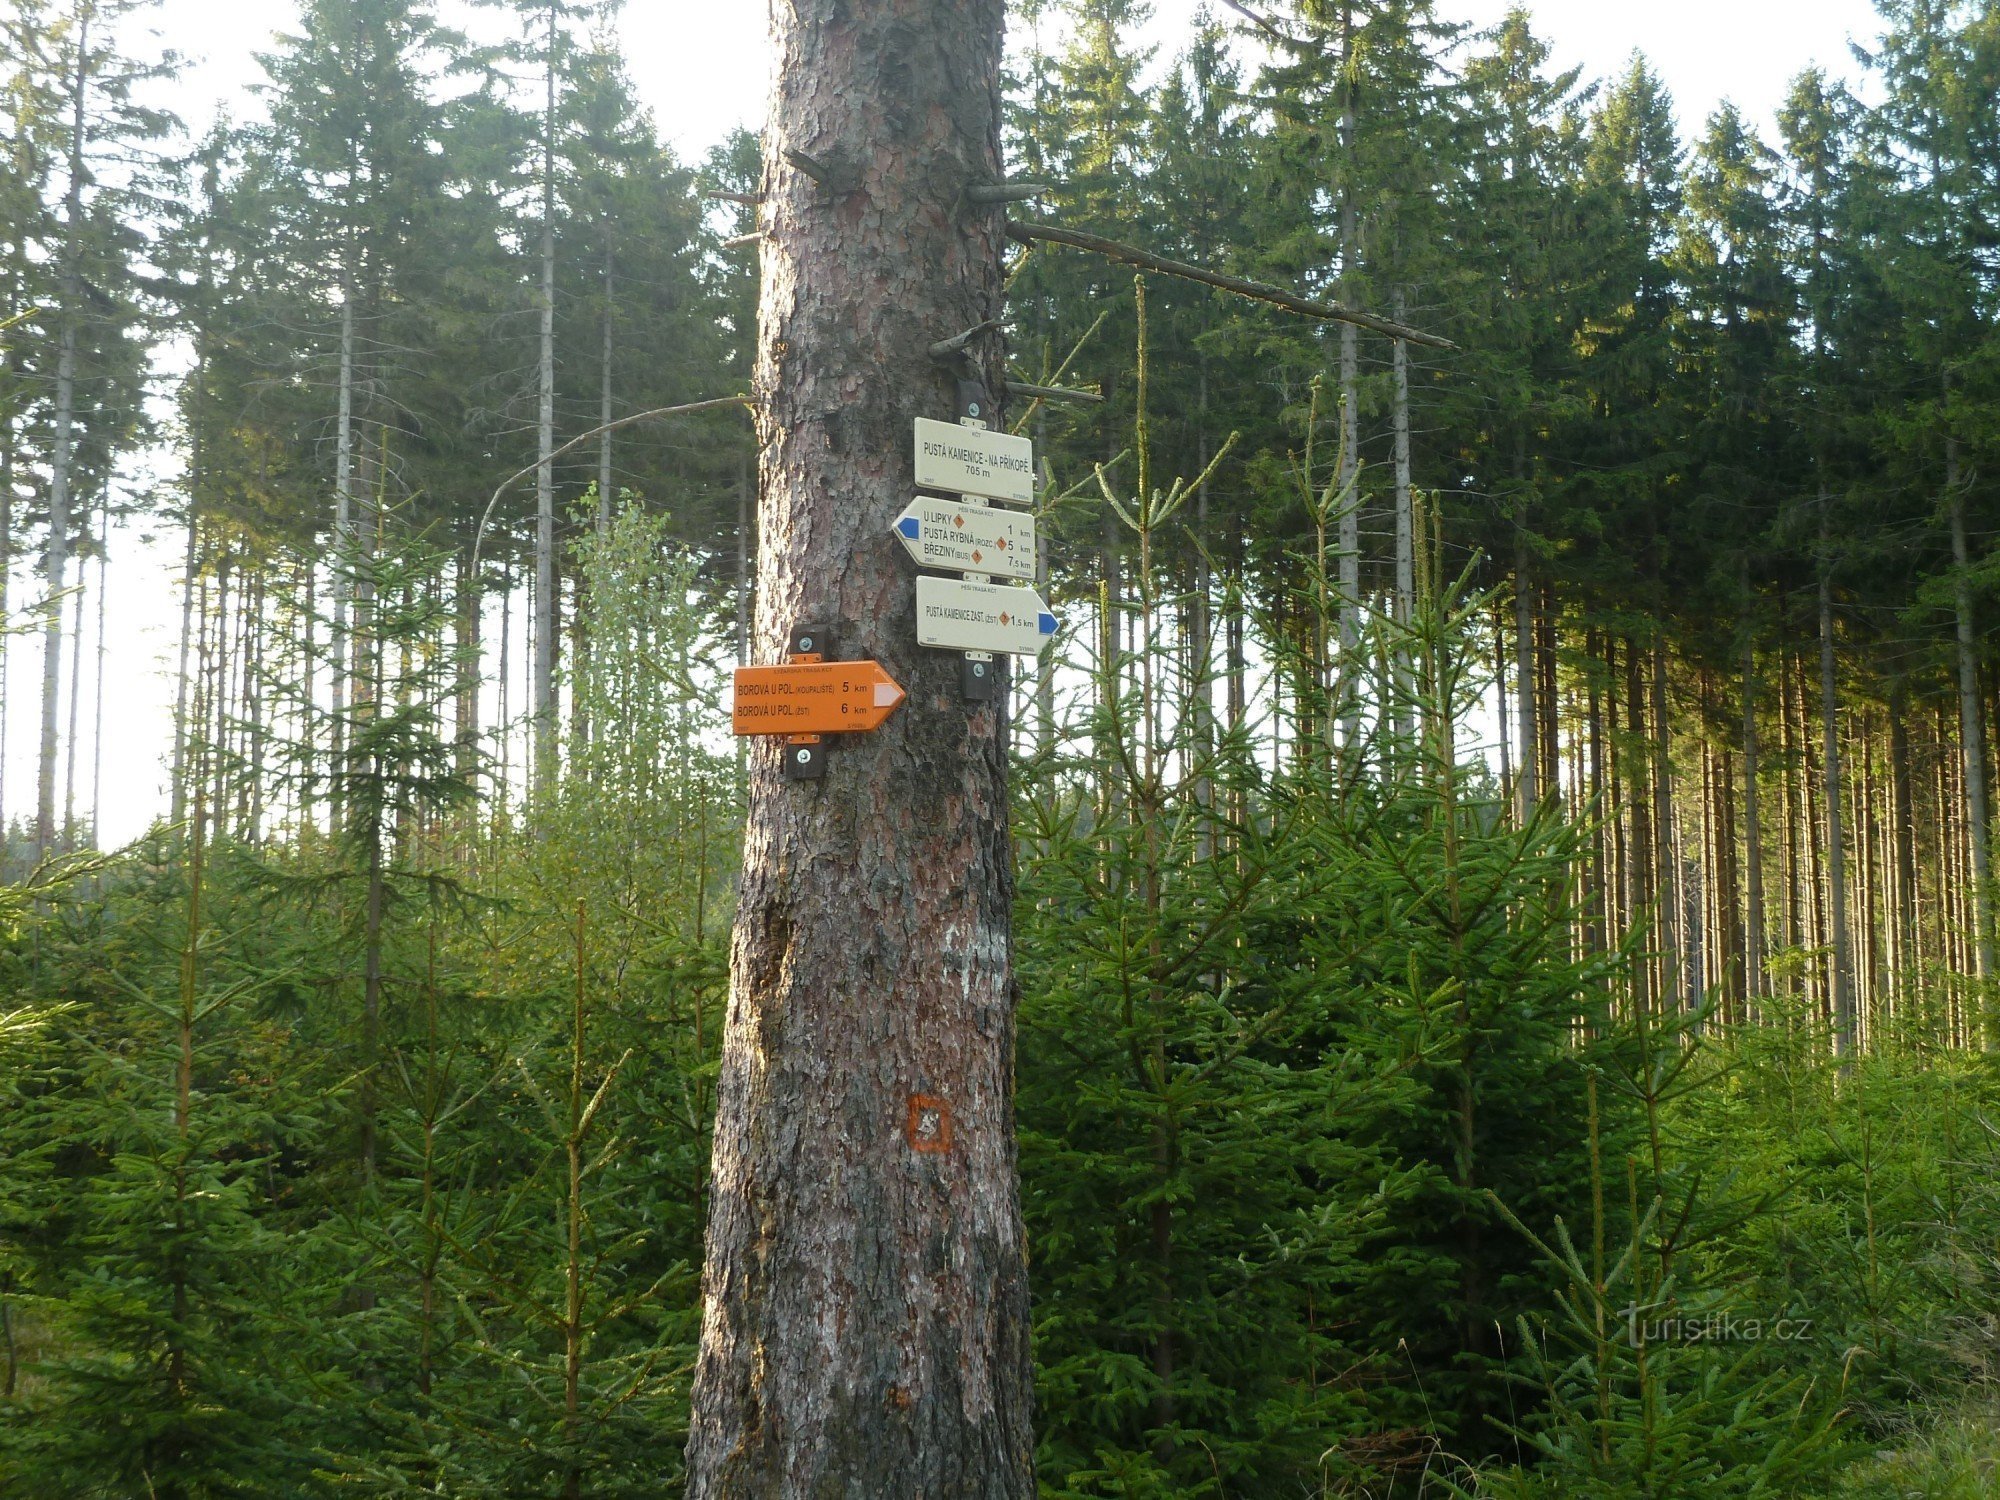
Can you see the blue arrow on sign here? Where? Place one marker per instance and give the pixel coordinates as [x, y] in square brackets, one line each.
[1049, 623]
[910, 527]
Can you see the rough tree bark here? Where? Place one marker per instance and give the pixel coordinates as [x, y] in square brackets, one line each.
[865, 1328]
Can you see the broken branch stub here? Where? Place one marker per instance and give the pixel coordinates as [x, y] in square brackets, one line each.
[959, 342]
[1007, 192]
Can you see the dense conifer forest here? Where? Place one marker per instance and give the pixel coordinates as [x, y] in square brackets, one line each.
[1503, 932]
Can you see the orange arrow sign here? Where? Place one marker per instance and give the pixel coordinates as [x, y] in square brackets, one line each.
[821, 697]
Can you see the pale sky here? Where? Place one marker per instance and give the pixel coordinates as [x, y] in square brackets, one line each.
[703, 67]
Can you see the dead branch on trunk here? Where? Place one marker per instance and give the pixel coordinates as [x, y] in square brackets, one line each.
[479, 532]
[1053, 392]
[1259, 291]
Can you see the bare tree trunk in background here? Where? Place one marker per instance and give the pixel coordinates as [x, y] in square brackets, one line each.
[1666, 851]
[1406, 556]
[1045, 672]
[75, 692]
[97, 718]
[605, 488]
[1971, 731]
[1200, 632]
[1902, 836]
[1349, 543]
[1527, 784]
[181, 757]
[865, 1330]
[12, 366]
[1842, 976]
[1753, 834]
[544, 738]
[1639, 842]
[467, 603]
[62, 459]
[343, 547]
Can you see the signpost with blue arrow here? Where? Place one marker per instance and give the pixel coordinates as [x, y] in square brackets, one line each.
[999, 617]
[965, 538]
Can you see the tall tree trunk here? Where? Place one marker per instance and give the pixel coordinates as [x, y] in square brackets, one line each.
[1349, 671]
[1971, 732]
[1598, 908]
[1667, 880]
[75, 690]
[1841, 978]
[545, 441]
[1201, 635]
[343, 553]
[1639, 801]
[62, 459]
[467, 602]
[97, 716]
[1790, 874]
[866, 1321]
[216, 730]
[1506, 735]
[11, 369]
[1867, 932]
[1753, 834]
[1902, 836]
[1548, 702]
[605, 489]
[1406, 555]
[1527, 780]
[182, 759]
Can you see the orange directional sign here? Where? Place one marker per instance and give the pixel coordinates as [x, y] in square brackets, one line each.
[820, 697]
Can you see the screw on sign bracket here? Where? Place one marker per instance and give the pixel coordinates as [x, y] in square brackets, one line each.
[805, 754]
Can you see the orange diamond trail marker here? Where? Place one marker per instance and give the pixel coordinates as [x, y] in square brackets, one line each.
[822, 697]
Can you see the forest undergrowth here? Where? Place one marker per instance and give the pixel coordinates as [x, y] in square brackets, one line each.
[375, 1163]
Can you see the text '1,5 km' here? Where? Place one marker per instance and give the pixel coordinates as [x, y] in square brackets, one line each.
[993, 617]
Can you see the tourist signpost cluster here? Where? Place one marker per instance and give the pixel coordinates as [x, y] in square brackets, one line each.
[991, 608]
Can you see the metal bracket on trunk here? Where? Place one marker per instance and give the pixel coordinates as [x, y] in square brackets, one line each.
[977, 676]
[805, 754]
[975, 409]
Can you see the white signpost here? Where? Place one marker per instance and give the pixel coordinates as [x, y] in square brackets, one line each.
[961, 616]
[975, 461]
[969, 538]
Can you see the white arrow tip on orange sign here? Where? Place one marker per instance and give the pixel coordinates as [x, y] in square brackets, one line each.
[887, 695]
